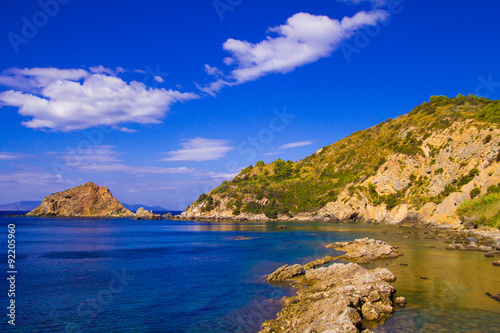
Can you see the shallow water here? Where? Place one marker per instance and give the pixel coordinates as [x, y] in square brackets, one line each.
[119, 275]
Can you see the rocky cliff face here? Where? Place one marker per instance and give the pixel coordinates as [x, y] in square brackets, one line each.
[88, 200]
[421, 165]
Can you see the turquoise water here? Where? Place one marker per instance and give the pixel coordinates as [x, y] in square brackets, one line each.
[119, 275]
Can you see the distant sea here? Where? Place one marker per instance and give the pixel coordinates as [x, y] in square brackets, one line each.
[121, 275]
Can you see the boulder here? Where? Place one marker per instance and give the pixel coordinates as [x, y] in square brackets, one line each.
[401, 301]
[483, 248]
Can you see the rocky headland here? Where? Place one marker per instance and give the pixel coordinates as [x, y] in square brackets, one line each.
[339, 297]
[421, 166]
[87, 200]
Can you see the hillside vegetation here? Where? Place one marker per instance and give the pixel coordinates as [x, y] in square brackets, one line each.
[429, 161]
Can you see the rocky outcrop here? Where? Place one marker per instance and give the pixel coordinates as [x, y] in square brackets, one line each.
[365, 250]
[143, 214]
[338, 297]
[88, 200]
[335, 299]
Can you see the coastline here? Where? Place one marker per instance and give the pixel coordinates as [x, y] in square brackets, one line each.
[457, 232]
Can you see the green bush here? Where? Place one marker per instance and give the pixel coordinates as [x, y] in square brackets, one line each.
[475, 192]
[259, 164]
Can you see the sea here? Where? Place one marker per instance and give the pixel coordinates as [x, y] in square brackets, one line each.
[122, 275]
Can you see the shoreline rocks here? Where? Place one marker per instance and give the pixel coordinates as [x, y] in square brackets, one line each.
[339, 297]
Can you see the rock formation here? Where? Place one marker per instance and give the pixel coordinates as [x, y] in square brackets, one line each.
[335, 299]
[88, 200]
[339, 297]
[143, 214]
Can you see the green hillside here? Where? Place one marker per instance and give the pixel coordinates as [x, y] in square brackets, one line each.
[308, 185]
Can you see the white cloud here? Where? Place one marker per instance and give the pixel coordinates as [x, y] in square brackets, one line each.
[75, 99]
[213, 71]
[296, 144]
[120, 167]
[102, 70]
[32, 79]
[273, 153]
[304, 39]
[159, 79]
[4, 156]
[200, 149]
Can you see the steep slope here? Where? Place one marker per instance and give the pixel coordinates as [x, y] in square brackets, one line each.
[87, 200]
[422, 164]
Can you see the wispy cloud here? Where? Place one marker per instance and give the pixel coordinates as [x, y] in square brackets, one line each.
[304, 39]
[72, 99]
[105, 158]
[272, 153]
[200, 149]
[295, 145]
[4, 156]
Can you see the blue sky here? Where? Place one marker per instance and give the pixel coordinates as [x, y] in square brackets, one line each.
[161, 101]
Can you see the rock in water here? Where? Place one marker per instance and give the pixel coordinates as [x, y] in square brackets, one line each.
[87, 200]
[335, 299]
[365, 250]
[143, 214]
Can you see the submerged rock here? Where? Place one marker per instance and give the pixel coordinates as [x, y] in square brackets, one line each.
[365, 250]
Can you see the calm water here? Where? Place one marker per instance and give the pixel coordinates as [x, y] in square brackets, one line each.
[119, 275]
